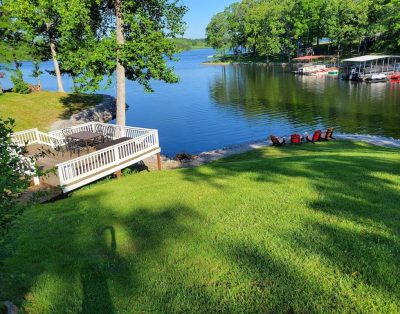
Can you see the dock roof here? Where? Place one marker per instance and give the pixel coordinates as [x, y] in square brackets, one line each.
[369, 58]
[308, 58]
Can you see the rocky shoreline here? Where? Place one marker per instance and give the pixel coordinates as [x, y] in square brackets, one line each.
[213, 155]
[104, 112]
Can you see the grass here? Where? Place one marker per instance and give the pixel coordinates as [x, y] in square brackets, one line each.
[41, 109]
[305, 229]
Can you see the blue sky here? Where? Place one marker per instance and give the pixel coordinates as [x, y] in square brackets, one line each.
[200, 13]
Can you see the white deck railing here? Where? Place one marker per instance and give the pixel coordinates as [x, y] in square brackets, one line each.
[142, 142]
[34, 136]
[87, 165]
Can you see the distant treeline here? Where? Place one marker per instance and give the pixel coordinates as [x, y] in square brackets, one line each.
[9, 54]
[188, 44]
[271, 28]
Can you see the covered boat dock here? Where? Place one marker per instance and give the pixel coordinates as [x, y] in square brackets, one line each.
[363, 67]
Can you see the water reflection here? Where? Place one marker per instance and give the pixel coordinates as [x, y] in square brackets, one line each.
[272, 93]
[216, 106]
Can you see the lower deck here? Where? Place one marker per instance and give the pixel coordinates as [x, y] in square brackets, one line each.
[95, 150]
[49, 158]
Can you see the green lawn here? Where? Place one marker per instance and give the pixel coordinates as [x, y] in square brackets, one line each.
[41, 109]
[312, 228]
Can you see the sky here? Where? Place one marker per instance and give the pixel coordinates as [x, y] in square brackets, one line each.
[200, 14]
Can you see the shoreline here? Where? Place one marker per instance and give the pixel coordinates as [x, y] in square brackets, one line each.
[150, 164]
[225, 63]
[216, 154]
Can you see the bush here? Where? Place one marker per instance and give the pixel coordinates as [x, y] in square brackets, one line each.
[183, 156]
[16, 172]
[20, 86]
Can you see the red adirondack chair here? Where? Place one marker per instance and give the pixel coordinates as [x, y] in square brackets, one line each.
[328, 135]
[316, 137]
[295, 139]
[276, 141]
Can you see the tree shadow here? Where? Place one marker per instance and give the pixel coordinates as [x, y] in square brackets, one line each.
[353, 219]
[350, 186]
[158, 253]
[369, 257]
[87, 249]
[76, 103]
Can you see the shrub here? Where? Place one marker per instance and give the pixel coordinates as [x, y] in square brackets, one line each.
[16, 172]
[183, 156]
[20, 86]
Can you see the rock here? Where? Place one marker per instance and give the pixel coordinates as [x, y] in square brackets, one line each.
[10, 307]
[103, 112]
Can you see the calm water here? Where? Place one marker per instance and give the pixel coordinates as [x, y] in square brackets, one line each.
[215, 106]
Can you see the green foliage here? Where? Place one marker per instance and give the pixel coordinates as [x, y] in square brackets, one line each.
[282, 27]
[16, 169]
[149, 27]
[187, 44]
[20, 86]
[217, 32]
[305, 229]
[36, 72]
[13, 49]
[390, 14]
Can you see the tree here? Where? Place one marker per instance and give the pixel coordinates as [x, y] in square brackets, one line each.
[236, 15]
[38, 21]
[217, 32]
[36, 73]
[13, 49]
[130, 38]
[390, 37]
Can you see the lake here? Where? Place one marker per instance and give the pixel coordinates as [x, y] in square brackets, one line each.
[216, 106]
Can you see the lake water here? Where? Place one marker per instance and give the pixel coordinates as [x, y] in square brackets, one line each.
[217, 106]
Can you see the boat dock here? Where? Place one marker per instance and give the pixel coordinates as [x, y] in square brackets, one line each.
[370, 68]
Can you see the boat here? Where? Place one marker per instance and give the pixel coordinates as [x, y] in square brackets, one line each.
[377, 78]
[395, 77]
[311, 65]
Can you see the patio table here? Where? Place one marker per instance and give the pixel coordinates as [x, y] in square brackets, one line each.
[86, 137]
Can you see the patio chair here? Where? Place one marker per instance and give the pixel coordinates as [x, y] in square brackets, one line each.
[66, 132]
[109, 133]
[59, 145]
[316, 137]
[295, 139]
[73, 146]
[99, 129]
[276, 141]
[328, 135]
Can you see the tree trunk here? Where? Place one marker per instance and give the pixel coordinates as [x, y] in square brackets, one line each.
[39, 82]
[120, 70]
[56, 68]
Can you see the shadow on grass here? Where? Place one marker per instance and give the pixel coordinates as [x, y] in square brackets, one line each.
[76, 103]
[350, 228]
[351, 186]
[357, 193]
[88, 249]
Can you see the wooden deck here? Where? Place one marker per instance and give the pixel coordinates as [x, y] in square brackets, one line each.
[127, 146]
[52, 159]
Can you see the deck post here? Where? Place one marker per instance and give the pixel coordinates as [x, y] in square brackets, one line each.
[158, 161]
[35, 181]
